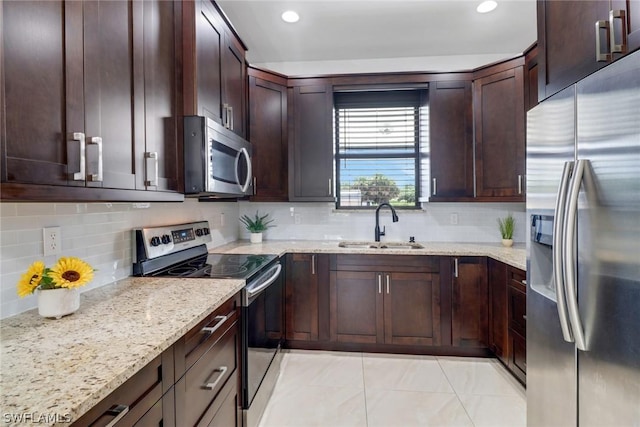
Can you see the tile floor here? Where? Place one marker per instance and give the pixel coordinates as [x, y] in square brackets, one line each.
[329, 389]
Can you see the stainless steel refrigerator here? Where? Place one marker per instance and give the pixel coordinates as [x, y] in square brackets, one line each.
[583, 252]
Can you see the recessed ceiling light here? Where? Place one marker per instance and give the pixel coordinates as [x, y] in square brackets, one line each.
[486, 6]
[290, 16]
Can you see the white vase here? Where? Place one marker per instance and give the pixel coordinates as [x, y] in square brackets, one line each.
[58, 302]
[256, 237]
[507, 242]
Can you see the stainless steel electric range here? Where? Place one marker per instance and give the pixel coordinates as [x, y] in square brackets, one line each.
[181, 251]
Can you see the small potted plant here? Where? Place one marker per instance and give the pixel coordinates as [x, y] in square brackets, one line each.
[256, 225]
[507, 226]
[57, 287]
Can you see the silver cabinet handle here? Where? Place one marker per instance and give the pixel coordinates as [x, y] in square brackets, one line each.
[602, 57]
[225, 115]
[558, 251]
[434, 186]
[96, 177]
[569, 256]
[524, 316]
[313, 264]
[151, 168]
[119, 411]
[455, 267]
[387, 284]
[80, 174]
[219, 322]
[211, 386]
[622, 16]
[330, 187]
[255, 186]
[379, 283]
[519, 184]
[231, 117]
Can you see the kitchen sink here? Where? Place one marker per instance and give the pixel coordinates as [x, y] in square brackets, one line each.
[379, 245]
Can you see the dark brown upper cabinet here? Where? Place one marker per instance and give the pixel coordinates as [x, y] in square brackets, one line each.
[451, 140]
[576, 38]
[531, 77]
[500, 132]
[310, 105]
[268, 135]
[75, 96]
[214, 67]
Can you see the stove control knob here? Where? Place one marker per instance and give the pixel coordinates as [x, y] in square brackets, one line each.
[166, 239]
[155, 241]
[199, 232]
[206, 231]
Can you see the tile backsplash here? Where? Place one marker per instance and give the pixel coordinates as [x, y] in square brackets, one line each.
[99, 233]
[476, 222]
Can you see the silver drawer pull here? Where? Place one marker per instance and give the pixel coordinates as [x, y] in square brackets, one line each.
[211, 386]
[219, 322]
[119, 411]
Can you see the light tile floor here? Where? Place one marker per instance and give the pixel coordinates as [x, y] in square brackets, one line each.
[330, 389]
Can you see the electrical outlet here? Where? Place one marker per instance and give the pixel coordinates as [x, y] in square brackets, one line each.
[222, 219]
[454, 219]
[52, 238]
[296, 218]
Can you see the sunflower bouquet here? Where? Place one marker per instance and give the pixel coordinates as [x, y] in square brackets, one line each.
[68, 272]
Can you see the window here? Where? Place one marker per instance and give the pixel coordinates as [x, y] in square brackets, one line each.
[377, 148]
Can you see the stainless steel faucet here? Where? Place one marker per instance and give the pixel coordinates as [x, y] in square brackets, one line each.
[379, 233]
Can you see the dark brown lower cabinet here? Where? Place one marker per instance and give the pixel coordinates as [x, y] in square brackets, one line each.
[469, 302]
[384, 307]
[517, 306]
[305, 276]
[498, 312]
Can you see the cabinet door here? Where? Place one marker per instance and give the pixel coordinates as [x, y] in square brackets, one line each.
[209, 38]
[469, 302]
[497, 274]
[311, 147]
[233, 84]
[301, 298]
[631, 9]
[566, 42]
[162, 48]
[412, 308]
[268, 136]
[531, 79]
[500, 135]
[42, 93]
[356, 307]
[518, 355]
[113, 91]
[451, 140]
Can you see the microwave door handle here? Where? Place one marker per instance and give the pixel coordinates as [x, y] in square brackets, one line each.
[558, 237]
[247, 183]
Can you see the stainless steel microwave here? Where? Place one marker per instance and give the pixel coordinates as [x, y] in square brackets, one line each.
[217, 162]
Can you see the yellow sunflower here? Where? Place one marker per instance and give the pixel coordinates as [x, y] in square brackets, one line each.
[30, 280]
[71, 272]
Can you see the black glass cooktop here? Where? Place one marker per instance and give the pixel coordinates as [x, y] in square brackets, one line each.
[228, 266]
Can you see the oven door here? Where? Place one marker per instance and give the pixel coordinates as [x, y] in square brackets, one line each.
[263, 331]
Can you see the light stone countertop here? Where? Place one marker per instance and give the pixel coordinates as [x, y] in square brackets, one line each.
[67, 366]
[515, 256]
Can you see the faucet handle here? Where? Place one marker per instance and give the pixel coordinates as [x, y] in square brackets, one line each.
[384, 229]
[412, 239]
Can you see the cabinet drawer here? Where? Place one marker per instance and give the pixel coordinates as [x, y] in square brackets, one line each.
[199, 339]
[517, 310]
[387, 263]
[518, 355]
[517, 278]
[135, 397]
[198, 390]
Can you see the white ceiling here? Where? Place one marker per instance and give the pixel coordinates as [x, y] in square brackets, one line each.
[375, 35]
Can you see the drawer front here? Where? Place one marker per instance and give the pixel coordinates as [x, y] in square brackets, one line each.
[134, 398]
[199, 339]
[517, 310]
[200, 386]
[517, 278]
[518, 355]
[226, 409]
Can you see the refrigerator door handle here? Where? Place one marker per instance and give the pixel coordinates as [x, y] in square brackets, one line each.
[558, 235]
[569, 255]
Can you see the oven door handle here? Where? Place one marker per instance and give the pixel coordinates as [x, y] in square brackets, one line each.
[253, 292]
